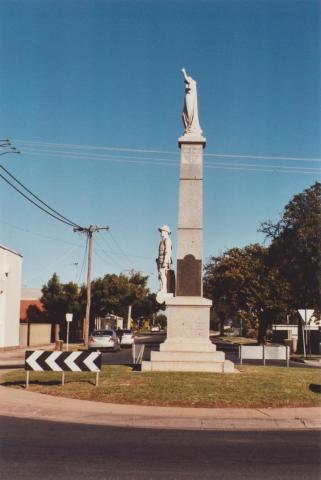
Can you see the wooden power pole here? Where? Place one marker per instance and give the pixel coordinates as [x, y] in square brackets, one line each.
[89, 232]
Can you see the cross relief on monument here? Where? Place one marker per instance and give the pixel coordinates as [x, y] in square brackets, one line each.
[191, 155]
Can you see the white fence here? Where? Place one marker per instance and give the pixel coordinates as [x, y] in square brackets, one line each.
[264, 352]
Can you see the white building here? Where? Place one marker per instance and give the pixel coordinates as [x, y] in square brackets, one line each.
[10, 289]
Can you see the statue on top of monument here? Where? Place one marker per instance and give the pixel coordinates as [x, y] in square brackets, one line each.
[190, 110]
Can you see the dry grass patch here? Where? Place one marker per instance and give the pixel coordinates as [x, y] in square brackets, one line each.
[256, 386]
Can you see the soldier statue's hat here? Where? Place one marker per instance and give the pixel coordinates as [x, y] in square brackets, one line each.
[165, 228]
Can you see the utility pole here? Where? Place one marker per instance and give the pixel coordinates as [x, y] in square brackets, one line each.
[89, 232]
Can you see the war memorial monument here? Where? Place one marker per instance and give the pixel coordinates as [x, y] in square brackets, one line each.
[187, 347]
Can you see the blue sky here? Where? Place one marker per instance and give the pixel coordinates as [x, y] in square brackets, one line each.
[107, 74]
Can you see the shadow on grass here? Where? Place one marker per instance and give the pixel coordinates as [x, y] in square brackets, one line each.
[315, 388]
[43, 383]
[13, 384]
[22, 384]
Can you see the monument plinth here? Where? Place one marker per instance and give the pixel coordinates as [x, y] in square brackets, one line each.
[188, 347]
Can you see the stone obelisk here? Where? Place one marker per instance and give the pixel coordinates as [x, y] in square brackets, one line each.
[188, 347]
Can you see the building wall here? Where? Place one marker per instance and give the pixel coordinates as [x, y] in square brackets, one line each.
[37, 333]
[40, 334]
[10, 288]
[23, 335]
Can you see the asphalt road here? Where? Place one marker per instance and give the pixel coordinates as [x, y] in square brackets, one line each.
[34, 450]
[124, 356]
[153, 340]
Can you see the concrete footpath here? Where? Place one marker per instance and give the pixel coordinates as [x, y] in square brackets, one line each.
[25, 404]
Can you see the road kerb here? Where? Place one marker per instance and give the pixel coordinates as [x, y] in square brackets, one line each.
[22, 404]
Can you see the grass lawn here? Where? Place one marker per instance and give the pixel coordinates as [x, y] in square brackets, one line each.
[255, 386]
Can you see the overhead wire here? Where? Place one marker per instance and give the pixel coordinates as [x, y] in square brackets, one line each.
[93, 147]
[175, 163]
[36, 233]
[120, 248]
[54, 152]
[53, 263]
[107, 257]
[84, 260]
[141, 150]
[55, 214]
[121, 251]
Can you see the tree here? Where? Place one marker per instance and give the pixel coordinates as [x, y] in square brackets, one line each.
[59, 299]
[242, 282]
[296, 249]
[147, 307]
[115, 293]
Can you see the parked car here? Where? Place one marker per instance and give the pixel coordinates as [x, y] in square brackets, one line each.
[104, 340]
[155, 328]
[127, 337]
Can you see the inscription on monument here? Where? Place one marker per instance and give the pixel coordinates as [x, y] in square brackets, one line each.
[189, 277]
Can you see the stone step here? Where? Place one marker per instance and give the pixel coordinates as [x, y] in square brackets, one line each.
[183, 345]
[187, 356]
[176, 366]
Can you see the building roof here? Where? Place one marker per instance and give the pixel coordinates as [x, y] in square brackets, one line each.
[9, 250]
[25, 304]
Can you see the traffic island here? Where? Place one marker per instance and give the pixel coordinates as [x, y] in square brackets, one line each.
[254, 387]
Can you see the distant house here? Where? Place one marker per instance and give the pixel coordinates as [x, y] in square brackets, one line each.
[109, 321]
[35, 329]
[31, 308]
[10, 289]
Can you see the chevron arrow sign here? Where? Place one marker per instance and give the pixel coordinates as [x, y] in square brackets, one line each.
[42, 360]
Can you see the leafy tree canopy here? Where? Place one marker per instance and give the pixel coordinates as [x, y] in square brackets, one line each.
[114, 293]
[59, 299]
[267, 282]
[296, 247]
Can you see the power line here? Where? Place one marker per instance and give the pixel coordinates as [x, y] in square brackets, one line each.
[34, 203]
[98, 156]
[264, 168]
[120, 159]
[93, 147]
[107, 254]
[120, 248]
[54, 263]
[36, 233]
[263, 157]
[141, 150]
[56, 215]
[169, 162]
[83, 261]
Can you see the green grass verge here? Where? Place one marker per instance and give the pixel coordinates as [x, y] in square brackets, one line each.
[255, 386]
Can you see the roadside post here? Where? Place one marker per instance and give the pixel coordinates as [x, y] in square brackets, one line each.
[68, 320]
[306, 314]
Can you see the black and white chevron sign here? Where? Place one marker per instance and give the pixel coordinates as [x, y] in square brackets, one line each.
[42, 360]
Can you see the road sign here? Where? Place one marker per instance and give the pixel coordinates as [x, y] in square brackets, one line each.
[306, 314]
[42, 360]
[68, 320]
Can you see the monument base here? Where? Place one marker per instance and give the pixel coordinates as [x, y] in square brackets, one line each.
[188, 347]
